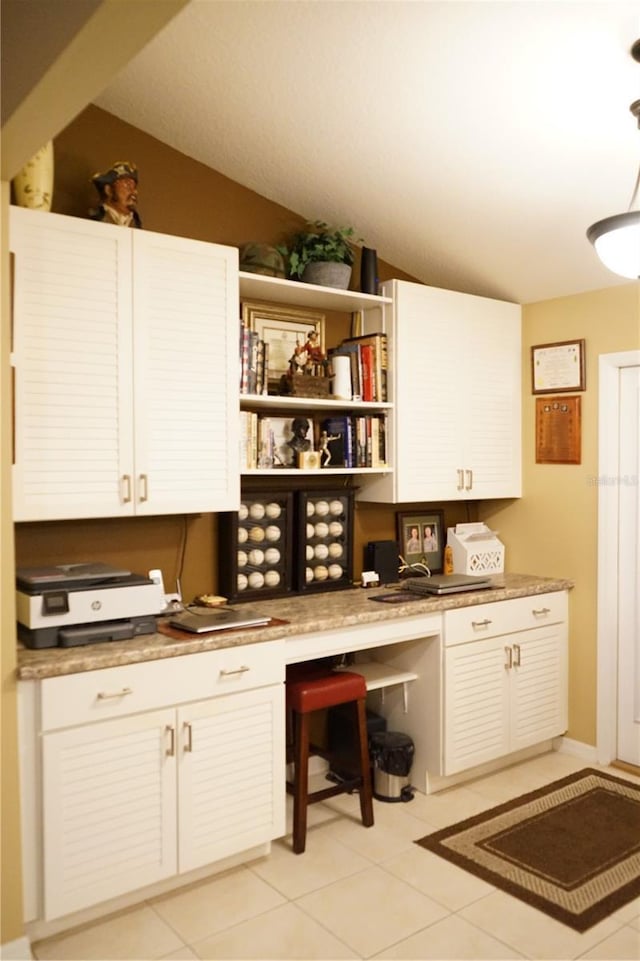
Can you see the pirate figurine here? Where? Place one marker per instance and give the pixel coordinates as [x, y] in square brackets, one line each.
[118, 189]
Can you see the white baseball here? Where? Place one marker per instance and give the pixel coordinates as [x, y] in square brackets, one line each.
[310, 508]
[256, 534]
[309, 552]
[273, 532]
[321, 551]
[242, 558]
[242, 535]
[310, 531]
[272, 555]
[273, 510]
[322, 529]
[320, 573]
[335, 549]
[322, 508]
[243, 513]
[336, 508]
[256, 557]
[308, 575]
[335, 528]
[335, 571]
[256, 579]
[256, 511]
[242, 582]
[271, 578]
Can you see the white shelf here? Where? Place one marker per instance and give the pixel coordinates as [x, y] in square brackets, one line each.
[321, 471]
[378, 675]
[274, 289]
[284, 402]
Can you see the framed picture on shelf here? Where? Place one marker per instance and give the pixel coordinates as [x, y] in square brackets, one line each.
[283, 329]
[255, 547]
[324, 540]
[422, 537]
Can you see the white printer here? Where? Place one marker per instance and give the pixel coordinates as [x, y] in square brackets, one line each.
[72, 604]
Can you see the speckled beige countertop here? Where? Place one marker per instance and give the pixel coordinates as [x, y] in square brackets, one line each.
[304, 614]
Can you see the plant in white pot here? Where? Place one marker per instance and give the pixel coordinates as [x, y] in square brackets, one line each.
[321, 255]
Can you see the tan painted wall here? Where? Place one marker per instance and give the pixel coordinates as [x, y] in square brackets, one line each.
[553, 529]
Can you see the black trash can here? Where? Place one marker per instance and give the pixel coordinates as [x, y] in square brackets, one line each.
[392, 758]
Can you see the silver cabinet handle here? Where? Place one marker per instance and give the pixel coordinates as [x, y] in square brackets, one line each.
[541, 611]
[460, 485]
[509, 654]
[469, 483]
[239, 670]
[189, 745]
[516, 650]
[106, 695]
[126, 488]
[143, 482]
[477, 624]
[171, 731]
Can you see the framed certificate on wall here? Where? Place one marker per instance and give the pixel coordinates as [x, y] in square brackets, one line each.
[558, 367]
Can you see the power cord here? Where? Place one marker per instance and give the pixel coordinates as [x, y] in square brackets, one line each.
[419, 567]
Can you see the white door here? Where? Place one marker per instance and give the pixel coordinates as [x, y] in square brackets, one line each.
[73, 373]
[232, 775]
[109, 791]
[628, 726]
[185, 329]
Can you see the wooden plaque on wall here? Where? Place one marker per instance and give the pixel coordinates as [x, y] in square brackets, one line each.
[558, 430]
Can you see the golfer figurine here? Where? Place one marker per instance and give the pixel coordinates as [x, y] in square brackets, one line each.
[118, 190]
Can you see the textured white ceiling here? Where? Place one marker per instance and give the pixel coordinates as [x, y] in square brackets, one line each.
[471, 143]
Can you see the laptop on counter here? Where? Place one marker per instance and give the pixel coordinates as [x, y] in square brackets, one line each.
[445, 583]
[220, 619]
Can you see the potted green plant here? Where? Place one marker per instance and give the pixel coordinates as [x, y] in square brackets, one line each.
[321, 255]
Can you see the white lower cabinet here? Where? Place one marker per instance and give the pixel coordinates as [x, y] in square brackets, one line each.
[506, 691]
[132, 800]
[109, 802]
[232, 775]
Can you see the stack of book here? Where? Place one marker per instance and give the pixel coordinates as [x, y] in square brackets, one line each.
[368, 355]
[353, 440]
[254, 362]
[344, 440]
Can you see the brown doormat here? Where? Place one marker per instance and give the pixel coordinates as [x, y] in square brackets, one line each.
[571, 849]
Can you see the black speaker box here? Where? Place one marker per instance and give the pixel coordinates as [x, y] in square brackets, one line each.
[382, 557]
[369, 271]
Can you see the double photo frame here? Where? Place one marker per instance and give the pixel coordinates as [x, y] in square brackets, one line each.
[422, 538]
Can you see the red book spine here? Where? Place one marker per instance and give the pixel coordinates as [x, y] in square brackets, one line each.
[368, 373]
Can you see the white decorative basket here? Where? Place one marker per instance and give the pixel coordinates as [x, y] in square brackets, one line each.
[476, 549]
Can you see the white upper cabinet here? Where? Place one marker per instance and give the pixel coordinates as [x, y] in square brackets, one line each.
[125, 356]
[456, 381]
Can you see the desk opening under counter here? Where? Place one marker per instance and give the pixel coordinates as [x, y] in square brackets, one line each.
[401, 663]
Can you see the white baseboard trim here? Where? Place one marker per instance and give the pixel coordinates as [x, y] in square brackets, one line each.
[586, 752]
[18, 950]
[37, 930]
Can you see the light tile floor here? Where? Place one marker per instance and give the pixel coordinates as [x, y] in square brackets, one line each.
[358, 893]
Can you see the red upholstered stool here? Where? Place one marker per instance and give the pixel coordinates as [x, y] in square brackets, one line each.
[312, 689]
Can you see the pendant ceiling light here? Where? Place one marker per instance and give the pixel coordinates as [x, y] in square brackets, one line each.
[617, 238]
